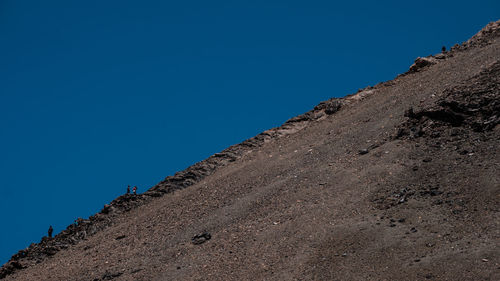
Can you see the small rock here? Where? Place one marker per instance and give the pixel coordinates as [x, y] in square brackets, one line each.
[401, 220]
[201, 238]
[155, 194]
[438, 202]
[363, 151]
[110, 275]
[106, 209]
[120, 237]
[333, 106]
[344, 255]
[410, 113]
[16, 264]
[455, 132]
[413, 229]
[440, 56]
[484, 260]
[50, 251]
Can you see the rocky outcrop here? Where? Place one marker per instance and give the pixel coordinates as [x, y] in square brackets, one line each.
[481, 39]
[198, 171]
[421, 63]
[448, 133]
[474, 105]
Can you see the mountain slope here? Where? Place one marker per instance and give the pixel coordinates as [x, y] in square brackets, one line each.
[397, 182]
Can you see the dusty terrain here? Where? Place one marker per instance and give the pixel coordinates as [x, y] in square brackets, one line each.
[399, 181]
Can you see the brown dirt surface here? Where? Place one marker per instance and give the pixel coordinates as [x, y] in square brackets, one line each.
[399, 181]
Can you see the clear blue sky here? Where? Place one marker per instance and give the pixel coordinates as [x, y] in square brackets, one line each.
[95, 95]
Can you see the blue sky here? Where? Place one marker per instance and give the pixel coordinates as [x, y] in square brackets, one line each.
[95, 95]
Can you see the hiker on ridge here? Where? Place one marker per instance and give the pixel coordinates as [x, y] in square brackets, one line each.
[134, 189]
[49, 232]
[128, 189]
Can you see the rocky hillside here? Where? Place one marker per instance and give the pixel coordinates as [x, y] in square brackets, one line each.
[399, 181]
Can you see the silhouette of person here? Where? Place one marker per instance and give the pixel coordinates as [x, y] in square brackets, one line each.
[128, 189]
[50, 231]
[443, 49]
[134, 189]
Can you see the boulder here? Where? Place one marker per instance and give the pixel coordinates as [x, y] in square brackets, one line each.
[421, 63]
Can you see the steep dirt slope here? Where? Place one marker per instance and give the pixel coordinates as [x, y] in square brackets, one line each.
[398, 182]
